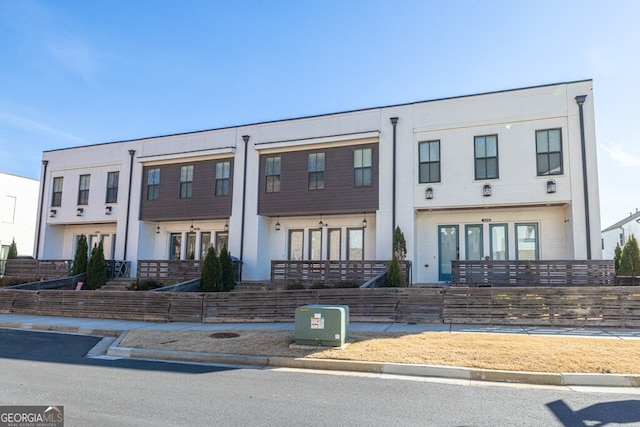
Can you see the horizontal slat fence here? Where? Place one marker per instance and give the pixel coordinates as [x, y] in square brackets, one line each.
[532, 273]
[555, 306]
[537, 306]
[35, 268]
[329, 272]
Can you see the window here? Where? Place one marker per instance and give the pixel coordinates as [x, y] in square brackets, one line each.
[272, 174]
[222, 240]
[486, 155]
[549, 152]
[334, 244]
[362, 166]
[355, 244]
[205, 244]
[83, 189]
[153, 184]
[315, 167]
[429, 161]
[315, 245]
[527, 241]
[56, 200]
[191, 246]
[175, 245]
[296, 239]
[186, 181]
[112, 187]
[222, 178]
[473, 242]
[499, 244]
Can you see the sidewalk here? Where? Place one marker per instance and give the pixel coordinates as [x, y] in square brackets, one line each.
[119, 328]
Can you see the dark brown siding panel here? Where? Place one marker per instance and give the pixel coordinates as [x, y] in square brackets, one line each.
[339, 194]
[203, 204]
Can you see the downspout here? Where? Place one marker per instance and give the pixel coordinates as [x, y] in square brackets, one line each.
[245, 138]
[580, 100]
[394, 122]
[126, 229]
[44, 181]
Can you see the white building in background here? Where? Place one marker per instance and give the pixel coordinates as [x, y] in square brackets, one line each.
[619, 233]
[501, 175]
[18, 214]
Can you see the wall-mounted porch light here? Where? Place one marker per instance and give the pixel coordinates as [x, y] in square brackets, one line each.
[52, 213]
[79, 211]
[428, 193]
[226, 225]
[107, 210]
[158, 229]
[364, 220]
[278, 224]
[486, 190]
[551, 186]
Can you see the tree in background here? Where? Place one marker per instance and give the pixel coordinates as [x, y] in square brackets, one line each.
[211, 276]
[13, 250]
[81, 258]
[616, 259]
[630, 258]
[96, 268]
[226, 265]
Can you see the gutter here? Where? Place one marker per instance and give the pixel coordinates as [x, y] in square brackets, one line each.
[580, 101]
[44, 180]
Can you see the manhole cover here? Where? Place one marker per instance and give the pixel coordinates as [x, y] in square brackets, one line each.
[224, 335]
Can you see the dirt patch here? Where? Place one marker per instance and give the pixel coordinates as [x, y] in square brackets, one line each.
[472, 350]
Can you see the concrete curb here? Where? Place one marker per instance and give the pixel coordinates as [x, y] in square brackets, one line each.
[431, 371]
[60, 328]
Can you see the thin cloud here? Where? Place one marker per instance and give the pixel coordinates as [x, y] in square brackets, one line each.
[76, 55]
[33, 126]
[621, 157]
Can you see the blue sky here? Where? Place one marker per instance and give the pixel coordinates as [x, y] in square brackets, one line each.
[77, 72]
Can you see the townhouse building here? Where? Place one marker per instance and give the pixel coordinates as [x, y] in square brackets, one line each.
[501, 175]
[18, 207]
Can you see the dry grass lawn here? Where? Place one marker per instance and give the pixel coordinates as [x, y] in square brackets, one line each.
[473, 350]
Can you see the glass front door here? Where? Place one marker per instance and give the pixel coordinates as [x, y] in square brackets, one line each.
[448, 250]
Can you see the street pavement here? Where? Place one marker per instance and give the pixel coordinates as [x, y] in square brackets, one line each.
[116, 330]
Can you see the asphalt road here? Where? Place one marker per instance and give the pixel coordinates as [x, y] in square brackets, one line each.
[39, 368]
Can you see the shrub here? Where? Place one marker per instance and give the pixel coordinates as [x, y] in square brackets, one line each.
[96, 268]
[228, 275]
[81, 259]
[399, 244]
[395, 279]
[13, 250]
[630, 258]
[211, 277]
[616, 259]
[145, 285]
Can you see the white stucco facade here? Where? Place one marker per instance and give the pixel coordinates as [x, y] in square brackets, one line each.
[18, 213]
[457, 216]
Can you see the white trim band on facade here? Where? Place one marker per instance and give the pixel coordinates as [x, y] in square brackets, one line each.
[303, 143]
[180, 157]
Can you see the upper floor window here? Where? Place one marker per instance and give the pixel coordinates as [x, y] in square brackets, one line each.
[186, 181]
[549, 152]
[153, 184]
[222, 178]
[315, 168]
[362, 166]
[56, 200]
[486, 156]
[272, 174]
[429, 161]
[83, 189]
[112, 187]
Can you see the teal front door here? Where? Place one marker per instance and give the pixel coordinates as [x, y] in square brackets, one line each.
[448, 249]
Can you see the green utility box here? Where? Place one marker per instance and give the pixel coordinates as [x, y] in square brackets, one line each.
[326, 325]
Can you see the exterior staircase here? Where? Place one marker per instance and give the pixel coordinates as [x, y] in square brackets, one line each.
[119, 284]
